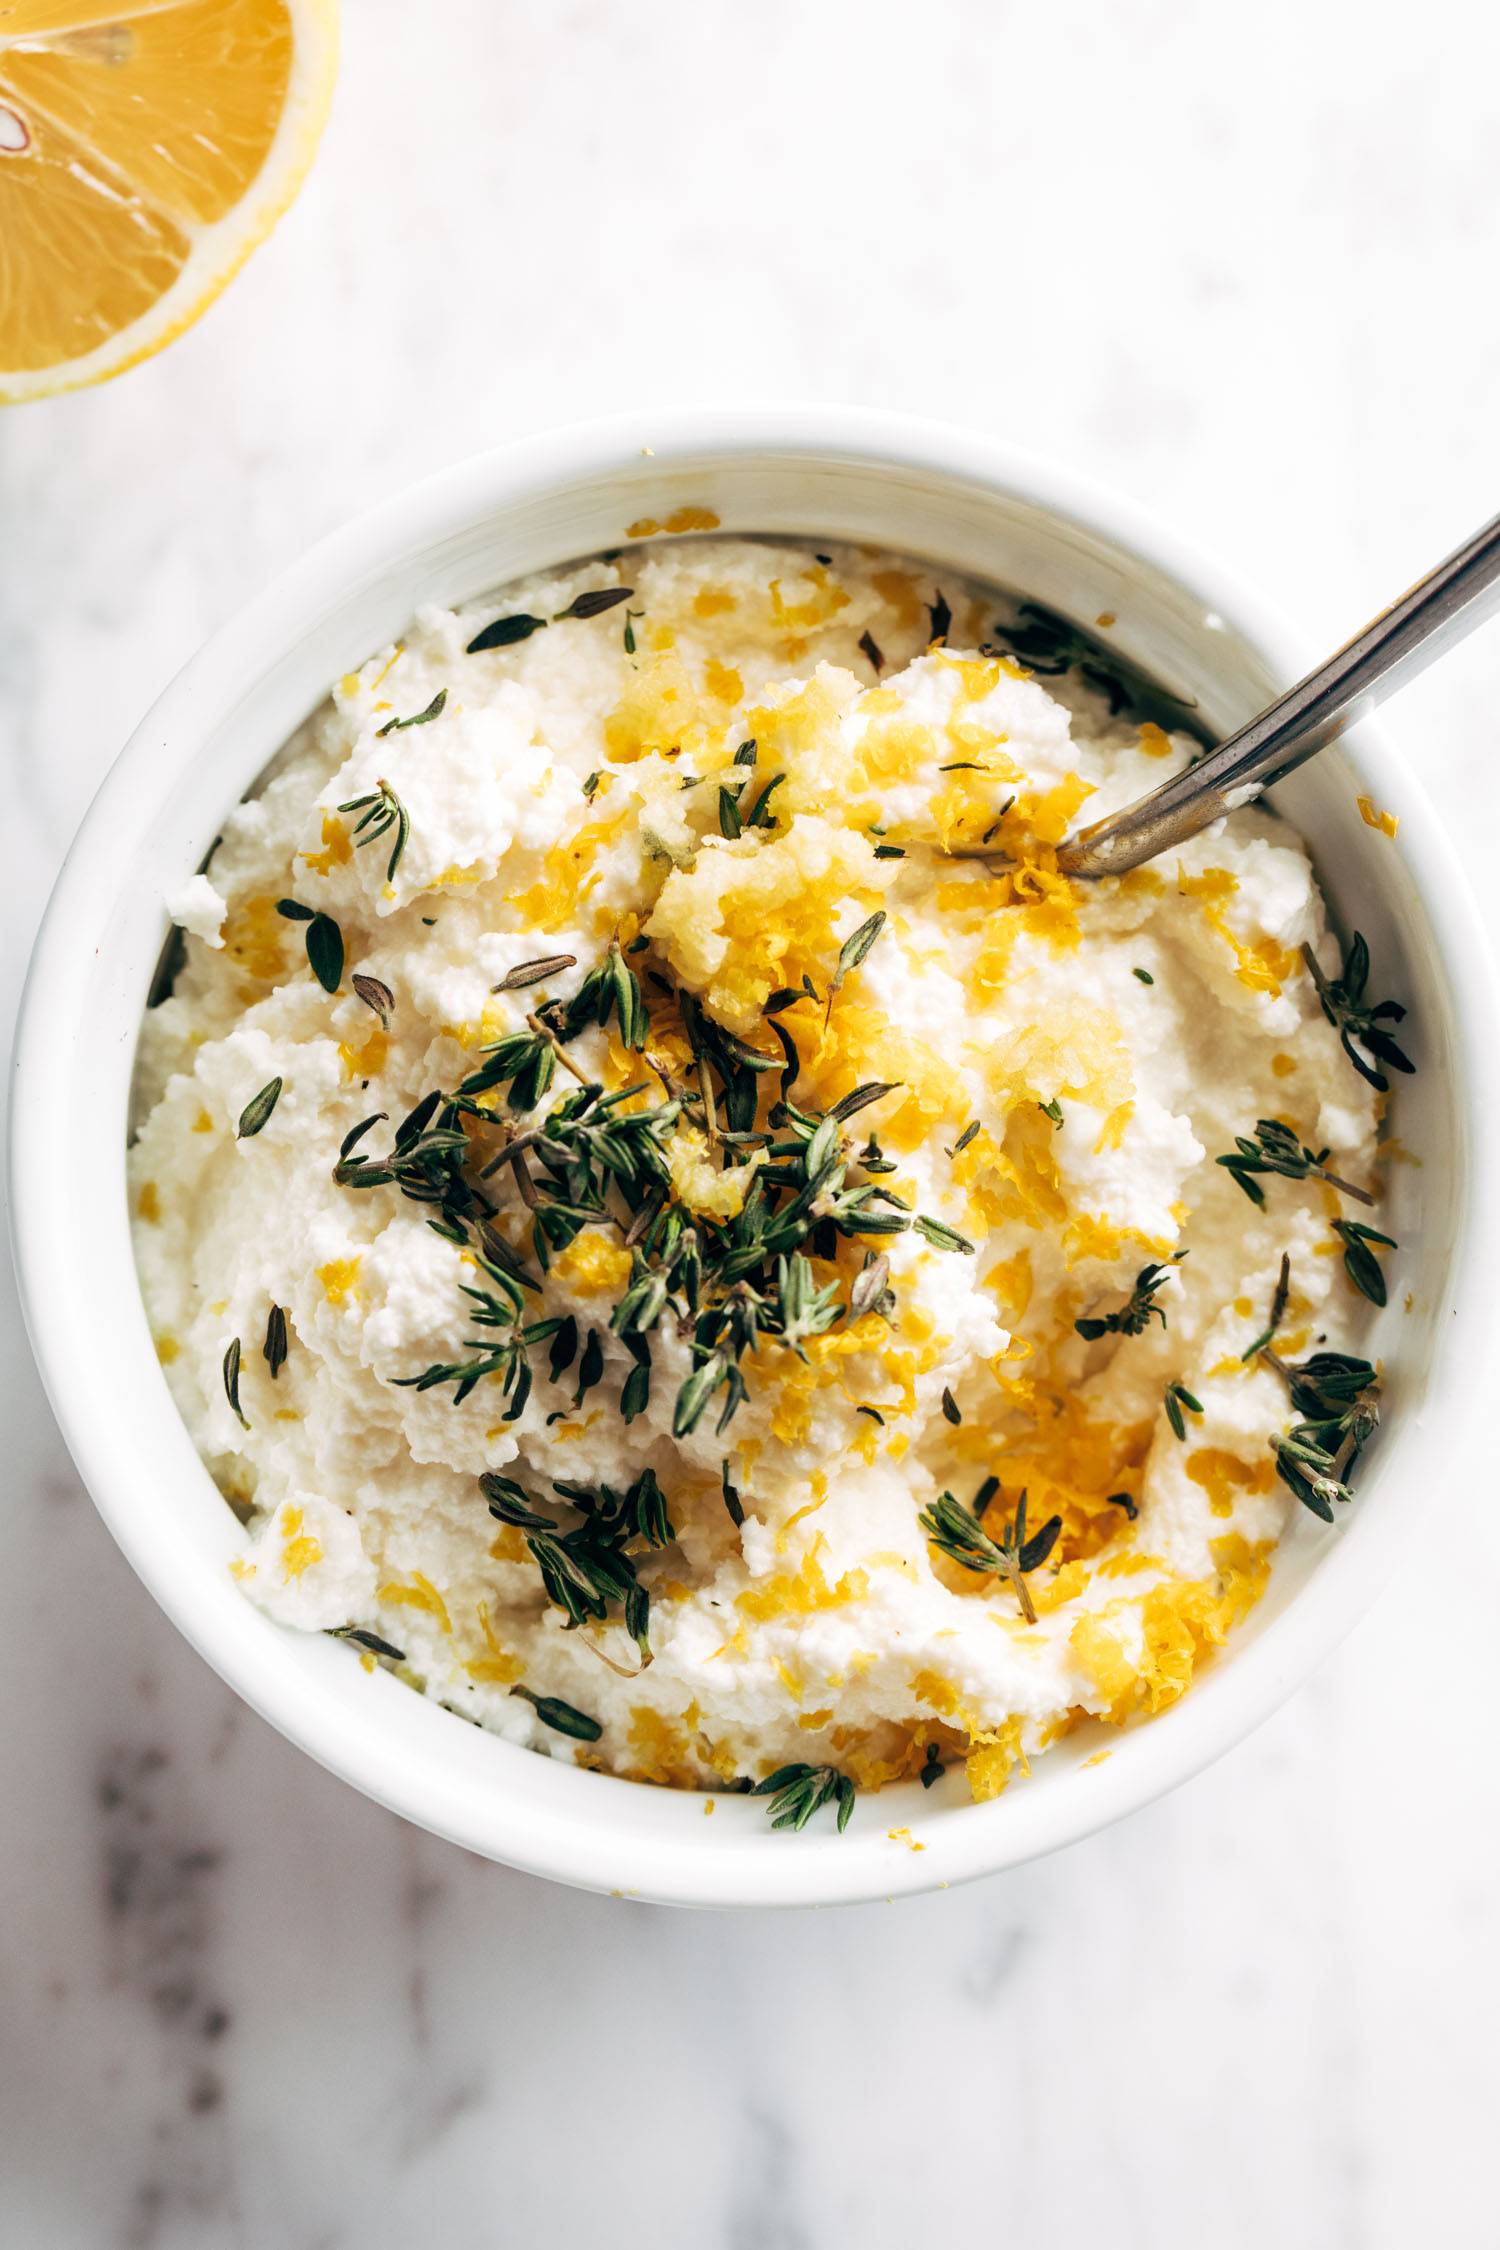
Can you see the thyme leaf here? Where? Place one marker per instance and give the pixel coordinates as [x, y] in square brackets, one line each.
[362, 1637]
[274, 1350]
[232, 1382]
[553, 1712]
[595, 603]
[257, 1111]
[1360, 1262]
[1360, 1026]
[532, 972]
[504, 632]
[376, 996]
[325, 951]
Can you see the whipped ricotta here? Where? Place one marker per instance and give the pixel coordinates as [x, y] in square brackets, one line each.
[706, 789]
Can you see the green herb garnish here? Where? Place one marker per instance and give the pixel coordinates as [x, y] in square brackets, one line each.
[376, 996]
[274, 1349]
[1360, 1262]
[1048, 645]
[382, 812]
[363, 1638]
[419, 718]
[1274, 1147]
[504, 632]
[1279, 1298]
[1177, 1399]
[589, 1160]
[325, 951]
[232, 1382]
[1360, 1027]
[588, 1567]
[1338, 1398]
[957, 1532]
[532, 972]
[594, 604]
[1139, 1309]
[256, 1112]
[554, 1713]
[797, 1792]
[733, 1505]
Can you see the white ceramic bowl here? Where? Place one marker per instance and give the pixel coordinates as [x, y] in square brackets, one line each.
[964, 504]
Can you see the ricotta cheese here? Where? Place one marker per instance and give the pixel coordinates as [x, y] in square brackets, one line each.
[748, 792]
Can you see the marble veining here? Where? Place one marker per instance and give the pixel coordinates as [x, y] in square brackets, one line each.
[1241, 270]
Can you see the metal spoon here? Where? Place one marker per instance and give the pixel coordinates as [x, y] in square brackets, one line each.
[1439, 610]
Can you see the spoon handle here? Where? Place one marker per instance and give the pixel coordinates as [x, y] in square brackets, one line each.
[1440, 609]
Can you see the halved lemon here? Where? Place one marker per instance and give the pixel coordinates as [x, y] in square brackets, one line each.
[146, 147]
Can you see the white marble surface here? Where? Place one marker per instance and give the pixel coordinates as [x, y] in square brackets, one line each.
[1241, 264]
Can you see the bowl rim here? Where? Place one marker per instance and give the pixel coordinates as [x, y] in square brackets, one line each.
[590, 1851]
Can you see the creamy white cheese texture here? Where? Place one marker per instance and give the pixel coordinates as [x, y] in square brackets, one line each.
[569, 792]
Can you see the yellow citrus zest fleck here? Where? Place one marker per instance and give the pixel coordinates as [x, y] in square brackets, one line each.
[1385, 823]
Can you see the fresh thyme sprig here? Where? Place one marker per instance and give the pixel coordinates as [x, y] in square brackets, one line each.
[797, 1792]
[1049, 646]
[1140, 1307]
[425, 1162]
[957, 1532]
[382, 811]
[1337, 1397]
[1359, 1026]
[600, 1159]
[589, 1567]
[1336, 1394]
[502, 1350]
[1274, 1147]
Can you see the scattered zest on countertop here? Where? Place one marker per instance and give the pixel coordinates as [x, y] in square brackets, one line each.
[679, 1159]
